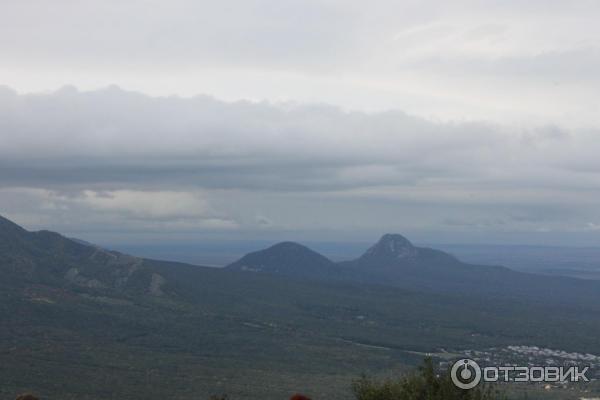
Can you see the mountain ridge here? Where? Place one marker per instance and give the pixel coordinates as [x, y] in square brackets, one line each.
[49, 258]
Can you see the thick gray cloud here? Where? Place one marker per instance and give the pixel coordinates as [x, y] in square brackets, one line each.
[118, 161]
[493, 129]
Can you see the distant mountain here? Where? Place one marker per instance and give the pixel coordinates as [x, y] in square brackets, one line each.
[389, 249]
[395, 261]
[392, 260]
[394, 250]
[288, 258]
[49, 258]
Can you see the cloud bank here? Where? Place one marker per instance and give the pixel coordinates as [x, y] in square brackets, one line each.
[112, 160]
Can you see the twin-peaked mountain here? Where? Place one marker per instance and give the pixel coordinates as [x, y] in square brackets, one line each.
[392, 254]
[395, 261]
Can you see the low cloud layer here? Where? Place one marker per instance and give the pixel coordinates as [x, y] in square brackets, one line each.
[117, 161]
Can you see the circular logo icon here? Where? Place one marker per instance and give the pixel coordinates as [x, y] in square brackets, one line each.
[465, 374]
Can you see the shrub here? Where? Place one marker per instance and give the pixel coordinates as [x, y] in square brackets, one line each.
[424, 385]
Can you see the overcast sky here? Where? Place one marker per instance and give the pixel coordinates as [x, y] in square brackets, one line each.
[153, 121]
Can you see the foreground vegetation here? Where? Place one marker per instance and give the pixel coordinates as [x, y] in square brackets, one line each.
[426, 384]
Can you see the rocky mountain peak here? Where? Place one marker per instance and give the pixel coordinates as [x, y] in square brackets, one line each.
[392, 246]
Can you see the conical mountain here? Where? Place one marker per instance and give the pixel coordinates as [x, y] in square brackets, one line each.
[287, 258]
